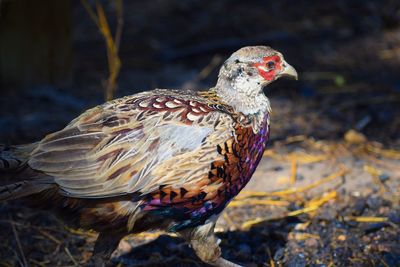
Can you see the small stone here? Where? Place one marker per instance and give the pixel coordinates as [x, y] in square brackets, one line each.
[374, 203]
[384, 177]
[327, 214]
[394, 217]
[359, 206]
[279, 254]
[311, 242]
[298, 260]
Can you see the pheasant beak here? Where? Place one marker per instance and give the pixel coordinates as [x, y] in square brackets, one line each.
[288, 71]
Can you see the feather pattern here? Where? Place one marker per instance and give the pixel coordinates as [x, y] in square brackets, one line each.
[169, 154]
[134, 145]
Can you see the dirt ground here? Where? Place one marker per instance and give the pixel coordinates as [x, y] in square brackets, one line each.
[327, 191]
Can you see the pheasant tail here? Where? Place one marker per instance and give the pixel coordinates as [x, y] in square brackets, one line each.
[16, 181]
[13, 157]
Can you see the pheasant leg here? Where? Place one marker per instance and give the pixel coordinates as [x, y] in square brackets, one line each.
[206, 245]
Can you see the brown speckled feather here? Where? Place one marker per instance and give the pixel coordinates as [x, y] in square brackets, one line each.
[134, 145]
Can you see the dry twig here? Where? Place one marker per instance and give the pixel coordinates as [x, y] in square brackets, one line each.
[364, 219]
[66, 249]
[112, 43]
[17, 240]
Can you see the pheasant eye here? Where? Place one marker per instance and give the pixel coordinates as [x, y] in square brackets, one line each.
[271, 64]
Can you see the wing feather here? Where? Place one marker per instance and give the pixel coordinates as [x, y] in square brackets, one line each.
[108, 151]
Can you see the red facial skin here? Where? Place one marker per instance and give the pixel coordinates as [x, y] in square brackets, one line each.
[270, 73]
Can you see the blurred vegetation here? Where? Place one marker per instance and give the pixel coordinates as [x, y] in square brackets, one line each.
[112, 43]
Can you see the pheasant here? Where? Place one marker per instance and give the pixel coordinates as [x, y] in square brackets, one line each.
[161, 159]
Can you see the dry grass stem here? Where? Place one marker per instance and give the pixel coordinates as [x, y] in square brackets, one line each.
[112, 43]
[66, 249]
[17, 240]
[364, 219]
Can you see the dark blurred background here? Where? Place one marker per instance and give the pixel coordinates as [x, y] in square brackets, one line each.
[53, 59]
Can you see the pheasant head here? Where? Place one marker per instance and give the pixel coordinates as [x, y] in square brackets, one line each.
[246, 72]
